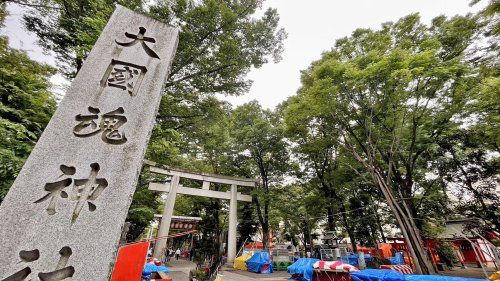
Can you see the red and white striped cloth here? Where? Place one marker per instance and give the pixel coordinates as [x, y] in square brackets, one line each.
[405, 269]
[336, 265]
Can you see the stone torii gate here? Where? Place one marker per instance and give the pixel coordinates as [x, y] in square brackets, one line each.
[173, 188]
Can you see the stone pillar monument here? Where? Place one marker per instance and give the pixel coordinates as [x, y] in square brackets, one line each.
[63, 216]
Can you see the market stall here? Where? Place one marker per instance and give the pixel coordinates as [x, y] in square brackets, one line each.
[260, 263]
[240, 262]
[302, 269]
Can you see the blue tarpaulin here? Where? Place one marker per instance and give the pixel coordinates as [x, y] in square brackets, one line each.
[398, 259]
[150, 268]
[377, 275]
[352, 259]
[412, 277]
[392, 275]
[260, 262]
[303, 267]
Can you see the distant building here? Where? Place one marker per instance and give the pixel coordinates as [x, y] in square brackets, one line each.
[471, 247]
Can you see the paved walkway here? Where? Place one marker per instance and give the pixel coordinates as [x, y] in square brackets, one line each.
[236, 275]
[179, 269]
[471, 272]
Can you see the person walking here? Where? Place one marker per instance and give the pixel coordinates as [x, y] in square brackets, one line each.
[168, 252]
[191, 254]
[177, 254]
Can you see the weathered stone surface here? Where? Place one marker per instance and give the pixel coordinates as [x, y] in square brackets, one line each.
[76, 221]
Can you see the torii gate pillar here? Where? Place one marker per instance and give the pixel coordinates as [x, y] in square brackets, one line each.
[233, 220]
[166, 218]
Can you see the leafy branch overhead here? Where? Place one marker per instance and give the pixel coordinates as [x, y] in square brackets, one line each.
[220, 41]
[26, 105]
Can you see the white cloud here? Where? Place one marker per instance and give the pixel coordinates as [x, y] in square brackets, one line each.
[312, 26]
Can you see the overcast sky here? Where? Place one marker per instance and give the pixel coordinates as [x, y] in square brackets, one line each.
[312, 27]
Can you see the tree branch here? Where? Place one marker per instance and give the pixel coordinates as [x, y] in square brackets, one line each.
[31, 5]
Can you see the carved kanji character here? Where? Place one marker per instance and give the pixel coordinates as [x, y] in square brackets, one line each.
[140, 38]
[83, 191]
[61, 271]
[124, 75]
[108, 125]
[86, 190]
[56, 189]
[88, 125]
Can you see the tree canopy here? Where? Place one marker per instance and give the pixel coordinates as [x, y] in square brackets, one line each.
[26, 106]
[393, 128]
[388, 98]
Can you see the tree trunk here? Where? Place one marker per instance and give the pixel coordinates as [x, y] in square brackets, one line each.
[349, 229]
[264, 223]
[379, 224]
[331, 221]
[304, 233]
[265, 235]
[421, 261]
[266, 230]
[306, 230]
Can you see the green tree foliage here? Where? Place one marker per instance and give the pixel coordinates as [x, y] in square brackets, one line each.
[469, 166]
[219, 43]
[25, 109]
[247, 225]
[145, 204]
[317, 153]
[3, 13]
[446, 253]
[69, 28]
[259, 150]
[392, 94]
[195, 140]
[306, 202]
[469, 155]
[328, 167]
[220, 40]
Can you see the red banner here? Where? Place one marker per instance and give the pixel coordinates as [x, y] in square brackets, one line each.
[130, 262]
